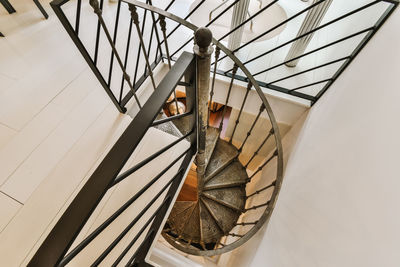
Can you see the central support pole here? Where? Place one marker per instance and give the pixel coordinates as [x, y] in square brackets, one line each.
[203, 51]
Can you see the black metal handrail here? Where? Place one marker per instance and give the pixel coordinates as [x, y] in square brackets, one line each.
[392, 5]
[121, 98]
[53, 250]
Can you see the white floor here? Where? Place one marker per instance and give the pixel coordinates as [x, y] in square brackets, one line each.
[56, 123]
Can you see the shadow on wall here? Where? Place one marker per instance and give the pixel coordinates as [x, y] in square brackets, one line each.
[258, 134]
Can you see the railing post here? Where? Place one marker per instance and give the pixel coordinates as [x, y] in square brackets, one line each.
[203, 51]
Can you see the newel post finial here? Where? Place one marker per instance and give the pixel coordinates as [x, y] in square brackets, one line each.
[202, 40]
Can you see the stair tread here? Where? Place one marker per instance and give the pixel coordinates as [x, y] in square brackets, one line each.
[180, 213]
[210, 231]
[211, 142]
[226, 218]
[182, 124]
[223, 154]
[232, 175]
[191, 231]
[234, 197]
[167, 127]
[181, 206]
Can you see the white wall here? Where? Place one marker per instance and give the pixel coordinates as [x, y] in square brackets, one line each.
[286, 111]
[340, 200]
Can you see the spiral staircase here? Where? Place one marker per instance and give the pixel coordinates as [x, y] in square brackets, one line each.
[221, 198]
[232, 202]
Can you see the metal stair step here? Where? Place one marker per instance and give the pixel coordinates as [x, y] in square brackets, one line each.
[183, 124]
[181, 212]
[211, 141]
[191, 232]
[224, 153]
[167, 127]
[210, 231]
[234, 198]
[226, 218]
[221, 198]
[231, 176]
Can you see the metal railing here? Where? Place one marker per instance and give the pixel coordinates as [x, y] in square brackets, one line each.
[152, 50]
[276, 84]
[346, 60]
[56, 249]
[10, 9]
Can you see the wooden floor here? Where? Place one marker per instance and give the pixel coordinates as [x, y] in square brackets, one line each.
[189, 189]
[216, 117]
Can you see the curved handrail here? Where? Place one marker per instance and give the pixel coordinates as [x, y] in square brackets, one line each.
[279, 150]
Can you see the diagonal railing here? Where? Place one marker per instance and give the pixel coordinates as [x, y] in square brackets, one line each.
[56, 248]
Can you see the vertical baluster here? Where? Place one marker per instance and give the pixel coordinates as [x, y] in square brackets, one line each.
[140, 48]
[114, 42]
[126, 58]
[7, 5]
[251, 128]
[235, 67]
[96, 49]
[163, 26]
[271, 132]
[235, 235]
[135, 18]
[247, 223]
[263, 165]
[257, 206]
[154, 27]
[217, 52]
[166, 9]
[249, 85]
[39, 5]
[262, 189]
[97, 10]
[78, 16]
